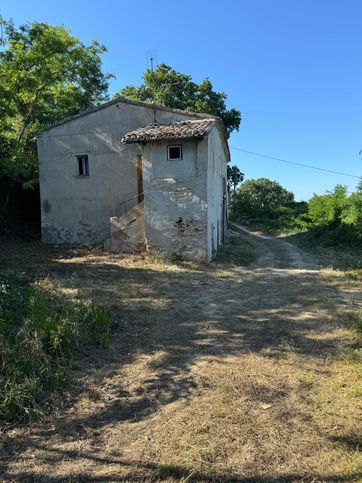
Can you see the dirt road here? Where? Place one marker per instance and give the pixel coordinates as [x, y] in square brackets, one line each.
[215, 373]
[274, 252]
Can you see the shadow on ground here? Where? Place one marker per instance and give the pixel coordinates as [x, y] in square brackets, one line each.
[274, 308]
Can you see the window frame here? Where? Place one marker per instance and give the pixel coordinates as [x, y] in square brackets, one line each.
[170, 146]
[85, 165]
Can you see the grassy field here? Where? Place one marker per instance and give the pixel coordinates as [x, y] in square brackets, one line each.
[245, 369]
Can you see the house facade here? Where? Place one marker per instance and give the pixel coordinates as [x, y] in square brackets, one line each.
[135, 175]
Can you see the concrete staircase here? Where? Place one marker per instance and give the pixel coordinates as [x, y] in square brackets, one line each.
[128, 231]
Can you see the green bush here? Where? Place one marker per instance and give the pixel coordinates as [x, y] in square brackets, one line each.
[333, 219]
[266, 205]
[333, 235]
[336, 218]
[328, 208]
[39, 332]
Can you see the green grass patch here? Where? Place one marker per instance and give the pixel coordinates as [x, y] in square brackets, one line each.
[358, 324]
[239, 251]
[353, 354]
[341, 257]
[271, 226]
[40, 330]
[354, 273]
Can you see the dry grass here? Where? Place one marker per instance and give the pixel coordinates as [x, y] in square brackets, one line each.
[280, 418]
[215, 373]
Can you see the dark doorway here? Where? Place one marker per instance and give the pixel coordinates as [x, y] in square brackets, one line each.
[140, 178]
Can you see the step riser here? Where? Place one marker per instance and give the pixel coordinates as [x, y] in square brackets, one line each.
[128, 231]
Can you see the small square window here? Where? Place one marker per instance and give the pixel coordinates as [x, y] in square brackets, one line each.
[174, 152]
[83, 165]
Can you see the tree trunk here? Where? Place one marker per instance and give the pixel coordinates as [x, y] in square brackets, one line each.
[7, 196]
[234, 200]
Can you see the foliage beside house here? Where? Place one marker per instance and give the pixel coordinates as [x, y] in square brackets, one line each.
[330, 219]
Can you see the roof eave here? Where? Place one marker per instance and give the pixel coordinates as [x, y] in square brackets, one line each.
[161, 140]
[222, 130]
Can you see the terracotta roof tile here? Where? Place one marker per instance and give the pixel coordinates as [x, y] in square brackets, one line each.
[191, 129]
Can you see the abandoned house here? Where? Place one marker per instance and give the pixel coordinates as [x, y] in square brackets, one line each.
[133, 175]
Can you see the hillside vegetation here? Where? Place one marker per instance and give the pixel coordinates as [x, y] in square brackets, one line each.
[331, 221]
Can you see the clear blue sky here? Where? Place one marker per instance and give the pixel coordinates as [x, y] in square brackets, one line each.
[292, 67]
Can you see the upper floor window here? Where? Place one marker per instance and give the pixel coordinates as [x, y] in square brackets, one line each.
[174, 152]
[82, 164]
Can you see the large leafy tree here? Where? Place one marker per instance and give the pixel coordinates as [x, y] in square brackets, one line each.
[353, 214]
[168, 87]
[235, 177]
[262, 197]
[45, 75]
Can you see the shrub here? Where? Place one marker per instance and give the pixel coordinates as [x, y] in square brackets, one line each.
[333, 219]
[39, 332]
[328, 208]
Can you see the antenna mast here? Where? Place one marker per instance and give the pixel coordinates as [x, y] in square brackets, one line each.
[151, 63]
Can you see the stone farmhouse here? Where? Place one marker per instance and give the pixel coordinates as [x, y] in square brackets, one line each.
[135, 176]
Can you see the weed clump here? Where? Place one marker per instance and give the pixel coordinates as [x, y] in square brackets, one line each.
[358, 325]
[40, 330]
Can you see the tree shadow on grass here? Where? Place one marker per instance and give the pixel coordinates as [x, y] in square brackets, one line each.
[147, 471]
[186, 316]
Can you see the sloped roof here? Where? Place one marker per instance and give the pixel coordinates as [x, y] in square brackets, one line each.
[122, 100]
[190, 129]
[155, 107]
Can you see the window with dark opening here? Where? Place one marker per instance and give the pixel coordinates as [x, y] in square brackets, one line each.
[174, 152]
[83, 166]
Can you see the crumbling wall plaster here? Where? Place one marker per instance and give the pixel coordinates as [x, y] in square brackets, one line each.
[176, 204]
[77, 209]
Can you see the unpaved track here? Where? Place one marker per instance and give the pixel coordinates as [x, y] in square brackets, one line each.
[265, 334]
[274, 252]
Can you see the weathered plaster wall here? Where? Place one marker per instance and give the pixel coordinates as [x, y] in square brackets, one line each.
[77, 209]
[128, 231]
[216, 188]
[176, 199]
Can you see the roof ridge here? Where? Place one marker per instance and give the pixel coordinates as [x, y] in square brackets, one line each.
[184, 121]
[126, 101]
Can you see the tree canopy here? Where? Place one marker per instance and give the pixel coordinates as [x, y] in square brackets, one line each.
[263, 196]
[336, 208]
[170, 88]
[330, 219]
[329, 207]
[45, 75]
[235, 177]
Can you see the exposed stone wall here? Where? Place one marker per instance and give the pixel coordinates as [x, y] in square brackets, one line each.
[128, 231]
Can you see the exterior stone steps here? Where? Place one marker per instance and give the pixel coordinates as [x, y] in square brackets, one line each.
[128, 231]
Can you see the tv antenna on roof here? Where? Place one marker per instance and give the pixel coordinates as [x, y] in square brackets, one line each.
[151, 59]
[151, 64]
